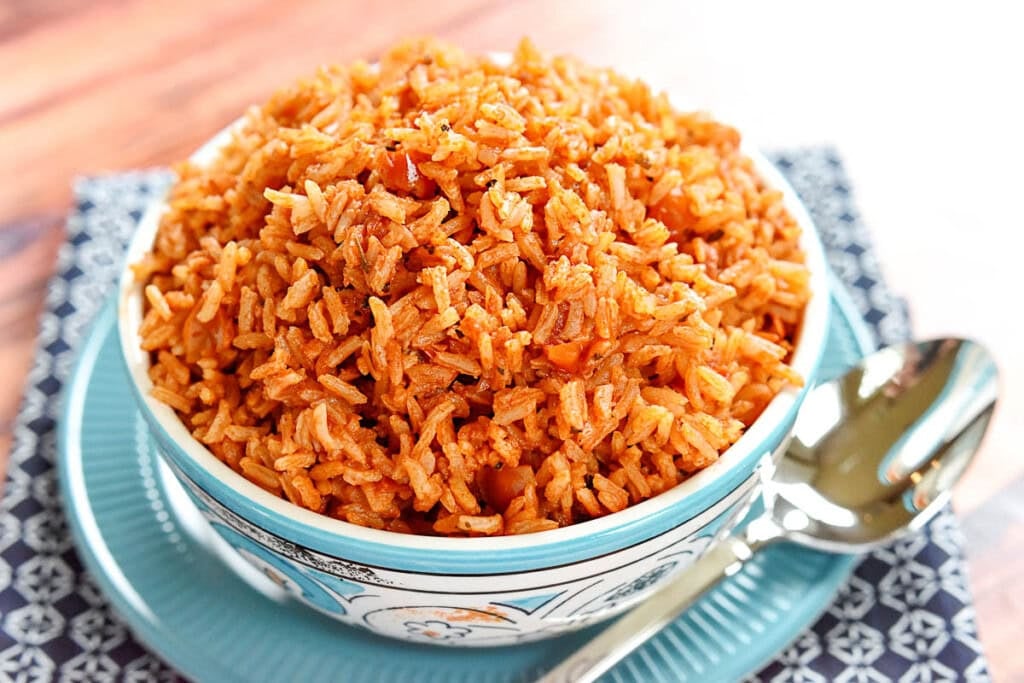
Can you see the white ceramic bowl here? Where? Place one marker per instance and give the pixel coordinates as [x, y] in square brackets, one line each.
[474, 591]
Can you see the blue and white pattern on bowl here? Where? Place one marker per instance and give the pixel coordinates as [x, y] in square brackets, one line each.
[472, 609]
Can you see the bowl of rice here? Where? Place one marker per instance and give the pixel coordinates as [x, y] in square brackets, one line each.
[472, 350]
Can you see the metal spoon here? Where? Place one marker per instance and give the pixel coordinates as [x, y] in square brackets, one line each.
[874, 455]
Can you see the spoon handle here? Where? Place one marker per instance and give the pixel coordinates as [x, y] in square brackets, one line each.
[650, 616]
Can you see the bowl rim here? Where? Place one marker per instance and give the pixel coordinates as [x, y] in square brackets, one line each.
[261, 504]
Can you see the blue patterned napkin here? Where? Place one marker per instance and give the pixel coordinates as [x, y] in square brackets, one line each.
[905, 614]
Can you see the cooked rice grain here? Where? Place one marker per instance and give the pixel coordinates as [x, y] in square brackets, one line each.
[447, 296]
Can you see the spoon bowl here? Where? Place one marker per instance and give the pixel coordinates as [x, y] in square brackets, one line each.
[876, 452]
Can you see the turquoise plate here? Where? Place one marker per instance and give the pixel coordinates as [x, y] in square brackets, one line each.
[160, 568]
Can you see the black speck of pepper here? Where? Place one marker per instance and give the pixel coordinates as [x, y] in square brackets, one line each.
[491, 182]
[445, 127]
[391, 145]
[499, 464]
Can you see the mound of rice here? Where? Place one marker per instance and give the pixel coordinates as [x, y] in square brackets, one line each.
[447, 296]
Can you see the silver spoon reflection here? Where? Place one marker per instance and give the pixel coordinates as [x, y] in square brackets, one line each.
[875, 454]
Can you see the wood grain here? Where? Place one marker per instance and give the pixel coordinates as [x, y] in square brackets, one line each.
[93, 87]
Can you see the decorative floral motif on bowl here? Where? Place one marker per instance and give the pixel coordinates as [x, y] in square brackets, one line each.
[471, 609]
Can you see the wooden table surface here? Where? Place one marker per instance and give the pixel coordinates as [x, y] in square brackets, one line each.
[920, 101]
